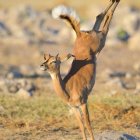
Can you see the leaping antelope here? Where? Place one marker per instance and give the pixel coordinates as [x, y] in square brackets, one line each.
[78, 83]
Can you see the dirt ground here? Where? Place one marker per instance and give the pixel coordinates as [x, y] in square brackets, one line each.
[106, 101]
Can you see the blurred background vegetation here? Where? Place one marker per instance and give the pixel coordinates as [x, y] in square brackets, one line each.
[81, 6]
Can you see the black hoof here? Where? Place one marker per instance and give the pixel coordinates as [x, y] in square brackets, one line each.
[115, 1]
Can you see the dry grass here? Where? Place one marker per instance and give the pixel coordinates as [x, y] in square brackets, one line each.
[119, 112]
[42, 113]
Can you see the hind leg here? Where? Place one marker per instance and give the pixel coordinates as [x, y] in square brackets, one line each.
[104, 26]
[101, 16]
[108, 18]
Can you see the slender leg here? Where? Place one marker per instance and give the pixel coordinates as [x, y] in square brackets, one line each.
[85, 112]
[108, 18]
[101, 16]
[79, 118]
[104, 25]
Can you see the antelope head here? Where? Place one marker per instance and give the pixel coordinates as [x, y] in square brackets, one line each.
[52, 63]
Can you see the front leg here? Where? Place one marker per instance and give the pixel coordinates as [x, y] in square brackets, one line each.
[87, 122]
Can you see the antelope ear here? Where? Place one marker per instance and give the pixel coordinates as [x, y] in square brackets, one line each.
[47, 56]
[57, 57]
[44, 56]
[66, 57]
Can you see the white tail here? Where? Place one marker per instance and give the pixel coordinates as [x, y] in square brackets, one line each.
[69, 15]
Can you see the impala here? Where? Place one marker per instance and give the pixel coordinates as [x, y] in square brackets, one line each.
[75, 88]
